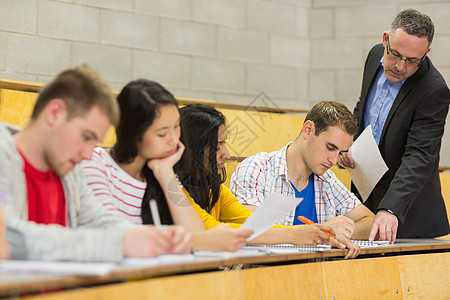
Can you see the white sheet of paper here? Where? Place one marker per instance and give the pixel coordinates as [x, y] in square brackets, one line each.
[369, 165]
[271, 210]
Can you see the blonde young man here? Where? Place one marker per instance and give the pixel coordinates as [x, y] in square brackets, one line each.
[301, 169]
[48, 201]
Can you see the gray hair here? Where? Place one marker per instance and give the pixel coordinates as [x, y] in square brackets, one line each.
[414, 23]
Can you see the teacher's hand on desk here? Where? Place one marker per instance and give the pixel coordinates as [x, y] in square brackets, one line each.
[149, 241]
[384, 227]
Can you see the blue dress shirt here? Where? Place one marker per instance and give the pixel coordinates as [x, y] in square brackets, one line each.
[381, 96]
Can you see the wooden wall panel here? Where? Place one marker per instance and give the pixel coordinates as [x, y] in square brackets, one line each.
[214, 285]
[304, 281]
[425, 276]
[375, 278]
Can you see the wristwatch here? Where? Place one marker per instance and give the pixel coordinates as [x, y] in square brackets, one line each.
[390, 211]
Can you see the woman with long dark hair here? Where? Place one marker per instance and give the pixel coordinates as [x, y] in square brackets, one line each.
[142, 164]
[206, 135]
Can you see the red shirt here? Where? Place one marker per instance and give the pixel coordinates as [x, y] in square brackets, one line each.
[45, 193]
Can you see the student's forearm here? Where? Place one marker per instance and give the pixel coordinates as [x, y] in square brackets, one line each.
[362, 228]
[180, 207]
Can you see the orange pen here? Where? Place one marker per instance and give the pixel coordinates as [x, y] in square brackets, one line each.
[309, 222]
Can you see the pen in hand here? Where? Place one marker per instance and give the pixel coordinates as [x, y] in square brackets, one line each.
[155, 213]
[309, 222]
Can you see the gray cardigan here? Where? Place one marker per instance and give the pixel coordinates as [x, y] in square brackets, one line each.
[92, 233]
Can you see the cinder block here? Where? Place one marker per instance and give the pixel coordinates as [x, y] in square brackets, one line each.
[18, 76]
[3, 51]
[369, 42]
[247, 46]
[193, 94]
[18, 16]
[238, 99]
[229, 13]
[187, 38]
[348, 85]
[274, 81]
[217, 76]
[129, 30]
[68, 21]
[302, 84]
[112, 62]
[334, 3]
[272, 17]
[299, 3]
[289, 51]
[291, 103]
[39, 56]
[337, 53]
[168, 70]
[303, 22]
[362, 21]
[321, 23]
[322, 85]
[177, 9]
[122, 5]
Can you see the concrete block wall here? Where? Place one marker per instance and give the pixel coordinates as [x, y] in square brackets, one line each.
[227, 51]
[297, 52]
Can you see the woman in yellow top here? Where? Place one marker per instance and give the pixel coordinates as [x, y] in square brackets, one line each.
[206, 136]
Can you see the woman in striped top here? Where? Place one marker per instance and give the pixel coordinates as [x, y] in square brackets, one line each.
[142, 165]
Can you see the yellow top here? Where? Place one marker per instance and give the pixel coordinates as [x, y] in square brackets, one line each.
[226, 210]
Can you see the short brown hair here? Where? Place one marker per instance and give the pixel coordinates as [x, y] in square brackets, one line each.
[332, 113]
[81, 88]
[415, 23]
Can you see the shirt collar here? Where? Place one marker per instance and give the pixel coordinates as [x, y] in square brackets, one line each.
[280, 164]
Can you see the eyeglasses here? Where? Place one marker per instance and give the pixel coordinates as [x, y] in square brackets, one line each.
[395, 56]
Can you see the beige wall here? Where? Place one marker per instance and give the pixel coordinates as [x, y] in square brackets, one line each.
[296, 51]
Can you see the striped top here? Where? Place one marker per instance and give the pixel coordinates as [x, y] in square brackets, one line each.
[116, 189]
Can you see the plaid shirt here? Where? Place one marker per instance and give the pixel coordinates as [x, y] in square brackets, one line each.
[267, 173]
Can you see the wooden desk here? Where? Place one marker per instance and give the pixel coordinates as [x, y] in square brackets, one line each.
[185, 279]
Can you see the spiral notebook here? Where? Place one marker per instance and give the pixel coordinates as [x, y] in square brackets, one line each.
[287, 248]
[370, 244]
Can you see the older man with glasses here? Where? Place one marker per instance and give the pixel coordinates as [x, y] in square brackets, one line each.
[405, 100]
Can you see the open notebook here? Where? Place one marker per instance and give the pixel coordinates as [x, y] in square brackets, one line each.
[287, 248]
[290, 248]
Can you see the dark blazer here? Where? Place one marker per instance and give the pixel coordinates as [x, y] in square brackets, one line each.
[410, 144]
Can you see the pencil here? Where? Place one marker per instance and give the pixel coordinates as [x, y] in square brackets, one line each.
[309, 222]
[155, 213]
